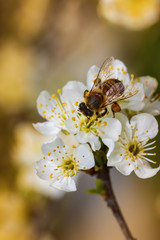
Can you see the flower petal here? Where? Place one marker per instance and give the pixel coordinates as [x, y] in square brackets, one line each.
[72, 94]
[91, 76]
[65, 183]
[111, 128]
[152, 108]
[124, 168]
[84, 155]
[116, 156]
[45, 170]
[47, 128]
[146, 124]
[147, 171]
[150, 85]
[54, 149]
[83, 137]
[110, 144]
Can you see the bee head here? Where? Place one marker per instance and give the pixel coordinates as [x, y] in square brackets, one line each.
[83, 108]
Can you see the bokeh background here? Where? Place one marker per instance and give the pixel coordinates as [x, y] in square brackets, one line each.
[44, 44]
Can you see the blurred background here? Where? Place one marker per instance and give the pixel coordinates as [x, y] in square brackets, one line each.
[44, 44]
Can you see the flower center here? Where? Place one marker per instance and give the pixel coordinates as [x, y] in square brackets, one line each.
[69, 166]
[89, 125]
[134, 149]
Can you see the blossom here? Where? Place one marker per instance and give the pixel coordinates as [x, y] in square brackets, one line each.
[60, 163]
[118, 70]
[53, 110]
[88, 129]
[151, 100]
[27, 148]
[62, 115]
[131, 14]
[131, 150]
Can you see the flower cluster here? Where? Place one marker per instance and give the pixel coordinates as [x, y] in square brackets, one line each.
[126, 137]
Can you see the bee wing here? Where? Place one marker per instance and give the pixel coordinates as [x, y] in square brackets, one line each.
[104, 73]
[129, 91]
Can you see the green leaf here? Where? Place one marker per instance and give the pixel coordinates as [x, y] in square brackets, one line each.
[100, 189]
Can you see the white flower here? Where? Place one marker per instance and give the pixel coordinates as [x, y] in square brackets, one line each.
[60, 164]
[151, 101]
[53, 110]
[131, 150]
[87, 130]
[131, 14]
[118, 70]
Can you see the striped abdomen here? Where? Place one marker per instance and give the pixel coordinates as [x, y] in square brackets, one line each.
[112, 87]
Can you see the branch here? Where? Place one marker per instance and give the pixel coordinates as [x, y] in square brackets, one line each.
[104, 175]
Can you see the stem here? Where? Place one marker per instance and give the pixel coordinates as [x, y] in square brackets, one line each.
[104, 175]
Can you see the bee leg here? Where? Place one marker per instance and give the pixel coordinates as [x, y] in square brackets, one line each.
[115, 108]
[99, 115]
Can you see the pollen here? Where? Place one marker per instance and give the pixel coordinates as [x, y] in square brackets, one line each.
[40, 105]
[136, 167]
[44, 165]
[44, 116]
[121, 154]
[118, 69]
[132, 75]
[102, 132]
[49, 99]
[76, 103]
[73, 146]
[122, 69]
[146, 131]
[76, 125]
[98, 124]
[54, 150]
[46, 105]
[124, 72]
[129, 164]
[95, 75]
[53, 95]
[57, 146]
[105, 123]
[63, 146]
[64, 104]
[73, 118]
[43, 157]
[110, 67]
[51, 175]
[59, 91]
[131, 126]
[86, 130]
[49, 153]
[42, 171]
[132, 81]
[154, 162]
[72, 110]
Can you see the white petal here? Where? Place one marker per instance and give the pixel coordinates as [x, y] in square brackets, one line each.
[83, 137]
[150, 85]
[147, 171]
[111, 130]
[85, 156]
[91, 75]
[116, 156]
[47, 128]
[152, 108]
[110, 144]
[58, 145]
[71, 126]
[119, 72]
[45, 105]
[146, 124]
[46, 172]
[72, 94]
[65, 183]
[124, 168]
[135, 102]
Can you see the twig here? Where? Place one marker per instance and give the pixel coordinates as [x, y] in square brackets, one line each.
[104, 175]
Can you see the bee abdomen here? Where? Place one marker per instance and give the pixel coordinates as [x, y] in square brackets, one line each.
[113, 87]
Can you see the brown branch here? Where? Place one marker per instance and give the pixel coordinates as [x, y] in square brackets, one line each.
[104, 175]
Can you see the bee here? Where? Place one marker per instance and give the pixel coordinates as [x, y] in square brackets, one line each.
[106, 91]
